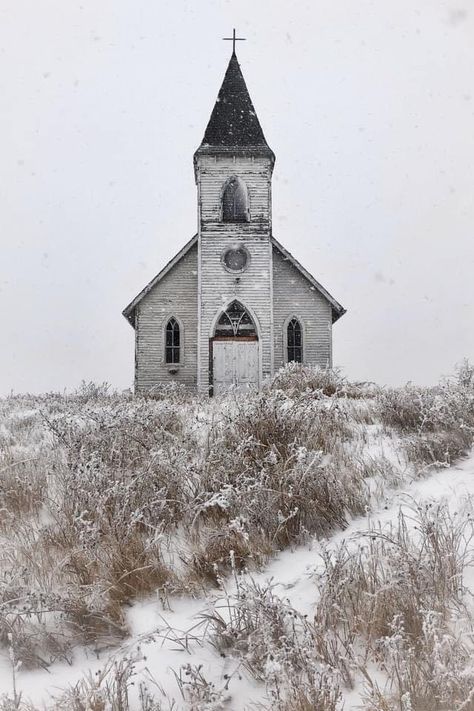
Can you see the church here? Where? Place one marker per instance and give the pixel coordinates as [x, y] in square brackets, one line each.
[233, 306]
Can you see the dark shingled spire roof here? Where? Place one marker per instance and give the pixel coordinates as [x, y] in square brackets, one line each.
[233, 122]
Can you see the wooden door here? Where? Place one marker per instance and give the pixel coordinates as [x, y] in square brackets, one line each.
[223, 365]
[235, 364]
[246, 363]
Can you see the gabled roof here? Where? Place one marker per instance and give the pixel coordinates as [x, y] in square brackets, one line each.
[337, 309]
[129, 311]
[234, 123]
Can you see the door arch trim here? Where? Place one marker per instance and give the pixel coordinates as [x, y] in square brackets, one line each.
[212, 337]
[225, 306]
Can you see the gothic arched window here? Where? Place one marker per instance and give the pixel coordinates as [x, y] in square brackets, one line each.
[294, 341]
[172, 341]
[235, 201]
[235, 322]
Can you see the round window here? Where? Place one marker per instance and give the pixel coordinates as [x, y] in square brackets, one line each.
[236, 259]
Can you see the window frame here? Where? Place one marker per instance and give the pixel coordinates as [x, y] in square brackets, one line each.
[226, 185]
[236, 246]
[180, 360]
[293, 317]
[235, 330]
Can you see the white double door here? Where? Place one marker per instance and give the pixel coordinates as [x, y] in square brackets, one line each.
[235, 364]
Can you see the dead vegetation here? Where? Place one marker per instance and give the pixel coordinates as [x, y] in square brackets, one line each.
[437, 423]
[396, 596]
[107, 498]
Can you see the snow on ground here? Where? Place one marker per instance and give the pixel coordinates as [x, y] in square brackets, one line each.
[170, 638]
[293, 571]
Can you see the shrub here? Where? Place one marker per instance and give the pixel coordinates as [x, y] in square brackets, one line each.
[438, 422]
[296, 379]
[465, 374]
[92, 391]
[267, 471]
[274, 643]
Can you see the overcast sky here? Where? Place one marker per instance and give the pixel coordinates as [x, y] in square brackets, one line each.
[369, 107]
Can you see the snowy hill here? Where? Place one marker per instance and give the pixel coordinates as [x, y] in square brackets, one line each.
[307, 547]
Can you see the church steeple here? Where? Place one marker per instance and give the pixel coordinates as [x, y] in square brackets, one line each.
[234, 123]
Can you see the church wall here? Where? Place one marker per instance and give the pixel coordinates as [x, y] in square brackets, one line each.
[252, 287]
[214, 171]
[293, 295]
[175, 295]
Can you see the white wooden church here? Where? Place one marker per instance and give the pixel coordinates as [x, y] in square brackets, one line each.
[233, 305]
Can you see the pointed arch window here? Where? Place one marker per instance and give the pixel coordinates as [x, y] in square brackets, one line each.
[172, 341]
[235, 322]
[235, 201]
[294, 341]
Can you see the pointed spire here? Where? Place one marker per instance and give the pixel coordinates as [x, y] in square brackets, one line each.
[233, 122]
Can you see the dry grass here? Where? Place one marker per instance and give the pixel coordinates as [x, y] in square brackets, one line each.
[22, 487]
[107, 690]
[276, 475]
[100, 493]
[393, 598]
[397, 598]
[437, 422]
[91, 540]
[275, 645]
[216, 550]
[268, 635]
[402, 570]
[273, 421]
[318, 691]
[319, 382]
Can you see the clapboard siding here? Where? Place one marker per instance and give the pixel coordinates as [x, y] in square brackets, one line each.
[174, 295]
[218, 286]
[212, 174]
[251, 288]
[293, 295]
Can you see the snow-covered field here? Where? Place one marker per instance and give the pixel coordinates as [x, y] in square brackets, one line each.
[310, 547]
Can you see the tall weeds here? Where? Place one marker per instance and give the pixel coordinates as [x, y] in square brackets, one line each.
[105, 498]
[397, 597]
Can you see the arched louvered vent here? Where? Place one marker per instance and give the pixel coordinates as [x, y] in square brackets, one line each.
[235, 201]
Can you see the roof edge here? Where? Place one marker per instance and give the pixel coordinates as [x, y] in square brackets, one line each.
[209, 149]
[129, 310]
[337, 309]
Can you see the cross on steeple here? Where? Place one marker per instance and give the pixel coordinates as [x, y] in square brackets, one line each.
[234, 39]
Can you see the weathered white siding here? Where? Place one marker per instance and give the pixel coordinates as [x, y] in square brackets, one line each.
[251, 288]
[293, 295]
[198, 287]
[174, 295]
[218, 287]
[212, 174]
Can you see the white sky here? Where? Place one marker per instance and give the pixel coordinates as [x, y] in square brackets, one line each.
[369, 107]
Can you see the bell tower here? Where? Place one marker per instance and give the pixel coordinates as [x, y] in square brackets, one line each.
[233, 171]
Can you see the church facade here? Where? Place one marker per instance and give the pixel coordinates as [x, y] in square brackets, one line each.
[233, 306]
